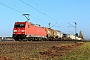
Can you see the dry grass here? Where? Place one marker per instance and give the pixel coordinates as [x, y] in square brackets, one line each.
[31, 50]
[79, 53]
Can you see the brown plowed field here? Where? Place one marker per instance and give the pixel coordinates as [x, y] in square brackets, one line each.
[35, 50]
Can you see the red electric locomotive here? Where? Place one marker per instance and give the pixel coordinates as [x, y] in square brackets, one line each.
[27, 30]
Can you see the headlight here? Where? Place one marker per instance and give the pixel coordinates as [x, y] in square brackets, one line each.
[23, 30]
[15, 31]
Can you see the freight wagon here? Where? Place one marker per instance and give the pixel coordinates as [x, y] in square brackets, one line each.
[59, 34]
[50, 34]
[66, 37]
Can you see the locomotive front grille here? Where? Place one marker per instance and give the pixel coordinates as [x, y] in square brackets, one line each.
[19, 36]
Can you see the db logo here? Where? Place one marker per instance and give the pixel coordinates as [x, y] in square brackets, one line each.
[18, 30]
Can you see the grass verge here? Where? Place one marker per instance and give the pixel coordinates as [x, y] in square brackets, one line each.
[79, 53]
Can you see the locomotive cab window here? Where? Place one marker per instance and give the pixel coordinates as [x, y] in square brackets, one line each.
[19, 25]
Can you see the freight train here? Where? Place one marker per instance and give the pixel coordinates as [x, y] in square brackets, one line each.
[27, 30]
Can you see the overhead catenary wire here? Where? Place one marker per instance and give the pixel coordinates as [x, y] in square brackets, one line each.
[22, 12]
[10, 3]
[37, 5]
[71, 25]
[37, 10]
[49, 7]
[52, 11]
[19, 11]
[11, 8]
[40, 11]
[39, 19]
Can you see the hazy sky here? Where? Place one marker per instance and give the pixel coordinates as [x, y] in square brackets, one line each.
[57, 12]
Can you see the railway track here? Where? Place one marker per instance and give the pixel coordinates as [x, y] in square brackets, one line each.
[8, 42]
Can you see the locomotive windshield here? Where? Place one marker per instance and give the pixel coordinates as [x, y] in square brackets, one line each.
[19, 25]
